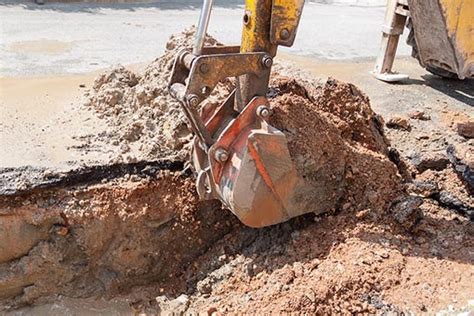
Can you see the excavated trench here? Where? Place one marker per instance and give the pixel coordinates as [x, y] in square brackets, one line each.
[135, 228]
[102, 238]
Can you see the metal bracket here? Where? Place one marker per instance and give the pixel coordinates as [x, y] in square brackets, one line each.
[246, 120]
[202, 73]
[208, 70]
[285, 18]
[194, 77]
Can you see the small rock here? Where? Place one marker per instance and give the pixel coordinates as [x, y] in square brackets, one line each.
[362, 214]
[394, 156]
[423, 188]
[461, 157]
[419, 115]
[429, 160]
[134, 178]
[182, 299]
[124, 148]
[287, 277]
[407, 212]
[346, 206]
[399, 122]
[295, 235]
[466, 129]
[420, 240]
[420, 137]
[204, 286]
[310, 294]
[47, 173]
[451, 202]
[62, 230]
[177, 306]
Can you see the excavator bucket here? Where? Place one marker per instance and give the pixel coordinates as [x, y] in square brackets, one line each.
[252, 170]
[444, 35]
[441, 34]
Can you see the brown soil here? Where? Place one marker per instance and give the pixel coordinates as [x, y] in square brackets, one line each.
[337, 143]
[104, 238]
[381, 245]
[349, 263]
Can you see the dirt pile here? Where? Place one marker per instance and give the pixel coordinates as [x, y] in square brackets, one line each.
[148, 240]
[337, 143]
[336, 140]
[144, 121]
[350, 263]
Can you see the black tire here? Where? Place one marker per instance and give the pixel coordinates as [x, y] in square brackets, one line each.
[414, 53]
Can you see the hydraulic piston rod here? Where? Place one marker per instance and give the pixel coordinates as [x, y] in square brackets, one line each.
[202, 27]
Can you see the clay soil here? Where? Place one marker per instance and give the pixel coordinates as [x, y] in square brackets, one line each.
[385, 233]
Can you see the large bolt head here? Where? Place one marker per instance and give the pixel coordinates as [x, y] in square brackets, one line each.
[221, 155]
[204, 68]
[285, 34]
[267, 61]
[264, 111]
[193, 100]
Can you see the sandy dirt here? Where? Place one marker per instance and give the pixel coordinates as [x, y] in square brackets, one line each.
[144, 121]
[102, 238]
[41, 47]
[40, 119]
[396, 235]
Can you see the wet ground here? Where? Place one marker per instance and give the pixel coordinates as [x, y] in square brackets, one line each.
[59, 38]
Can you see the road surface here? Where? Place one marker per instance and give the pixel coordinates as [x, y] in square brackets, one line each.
[59, 38]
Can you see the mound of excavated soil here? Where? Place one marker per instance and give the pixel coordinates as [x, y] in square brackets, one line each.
[147, 239]
[145, 122]
[337, 143]
[336, 140]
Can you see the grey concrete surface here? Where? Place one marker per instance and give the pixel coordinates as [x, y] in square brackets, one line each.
[58, 38]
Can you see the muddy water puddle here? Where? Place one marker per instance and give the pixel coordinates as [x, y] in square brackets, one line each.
[40, 117]
[41, 47]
